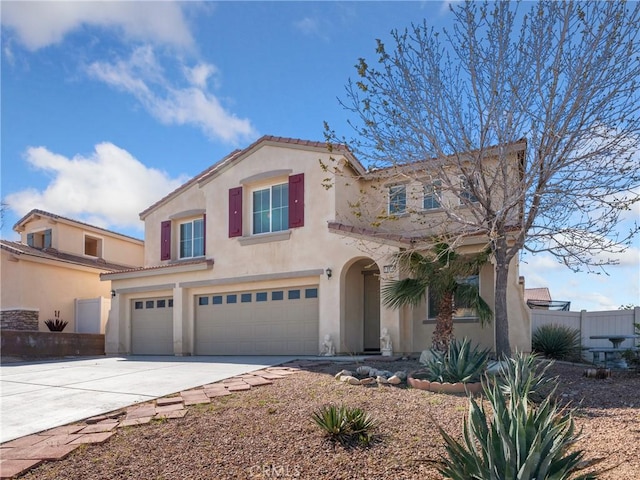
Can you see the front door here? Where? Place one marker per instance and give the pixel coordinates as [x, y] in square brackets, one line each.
[371, 311]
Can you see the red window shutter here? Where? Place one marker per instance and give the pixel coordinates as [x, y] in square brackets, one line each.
[235, 212]
[296, 200]
[165, 240]
[204, 233]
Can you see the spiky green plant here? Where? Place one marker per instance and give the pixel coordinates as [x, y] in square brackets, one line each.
[461, 362]
[556, 341]
[515, 439]
[523, 376]
[56, 325]
[346, 425]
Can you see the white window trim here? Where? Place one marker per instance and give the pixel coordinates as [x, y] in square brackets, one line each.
[463, 181]
[436, 189]
[389, 189]
[179, 232]
[251, 211]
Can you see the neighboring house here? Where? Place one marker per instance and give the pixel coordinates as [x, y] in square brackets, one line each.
[55, 267]
[540, 298]
[255, 256]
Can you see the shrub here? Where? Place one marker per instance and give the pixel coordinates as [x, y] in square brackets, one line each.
[460, 363]
[56, 325]
[556, 341]
[346, 425]
[515, 439]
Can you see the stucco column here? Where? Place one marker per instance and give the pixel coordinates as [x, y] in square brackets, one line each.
[180, 325]
[112, 328]
[390, 319]
[329, 309]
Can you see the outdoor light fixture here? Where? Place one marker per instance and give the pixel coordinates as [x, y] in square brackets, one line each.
[113, 293]
[329, 272]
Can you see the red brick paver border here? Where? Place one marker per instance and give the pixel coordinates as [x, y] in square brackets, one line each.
[23, 454]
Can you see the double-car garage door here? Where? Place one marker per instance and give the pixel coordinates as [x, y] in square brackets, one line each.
[281, 321]
[261, 322]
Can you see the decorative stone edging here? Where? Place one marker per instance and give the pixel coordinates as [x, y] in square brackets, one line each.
[446, 387]
[366, 375]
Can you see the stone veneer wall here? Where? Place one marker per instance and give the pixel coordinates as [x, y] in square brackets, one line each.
[17, 343]
[19, 320]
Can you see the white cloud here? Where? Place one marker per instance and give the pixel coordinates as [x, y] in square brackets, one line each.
[108, 188]
[44, 23]
[200, 74]
[142, 76]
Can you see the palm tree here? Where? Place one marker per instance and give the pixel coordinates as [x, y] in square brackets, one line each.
[440, 271]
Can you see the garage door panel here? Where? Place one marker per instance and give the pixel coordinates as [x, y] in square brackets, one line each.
[278, 325]
[152, 327]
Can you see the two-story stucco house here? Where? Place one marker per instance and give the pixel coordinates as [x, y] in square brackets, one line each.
[255, 256]
[56, 267]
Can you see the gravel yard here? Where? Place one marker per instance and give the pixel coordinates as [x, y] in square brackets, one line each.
[267, 432]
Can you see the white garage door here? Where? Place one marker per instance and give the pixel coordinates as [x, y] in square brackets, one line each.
[265, 322]
[152, 326]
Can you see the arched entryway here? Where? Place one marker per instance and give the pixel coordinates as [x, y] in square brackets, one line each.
[360, 325]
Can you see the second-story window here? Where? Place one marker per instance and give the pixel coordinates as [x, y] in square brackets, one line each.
[271, 209]
[431, 199]
[466, 192]
[397, 199]
[192, 239]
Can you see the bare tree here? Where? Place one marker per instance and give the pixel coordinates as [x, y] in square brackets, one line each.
[560, 79]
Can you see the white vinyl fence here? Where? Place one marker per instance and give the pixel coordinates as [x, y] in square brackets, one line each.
[613, 322]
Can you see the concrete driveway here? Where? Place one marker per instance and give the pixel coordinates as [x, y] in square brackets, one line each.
[37, 396]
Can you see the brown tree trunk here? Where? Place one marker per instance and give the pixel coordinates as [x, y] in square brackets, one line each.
[443, 334]
[503, 346]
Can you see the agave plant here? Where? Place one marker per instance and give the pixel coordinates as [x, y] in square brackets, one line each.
[56, 325]
[515, 439]
[345, 425]
[461, 362]
[523, 376]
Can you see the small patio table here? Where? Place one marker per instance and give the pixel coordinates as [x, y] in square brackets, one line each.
[612, 355]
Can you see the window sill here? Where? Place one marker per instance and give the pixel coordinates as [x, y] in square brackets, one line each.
[265, 238]
[186, 260]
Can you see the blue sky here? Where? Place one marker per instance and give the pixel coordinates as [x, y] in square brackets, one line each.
[107, 106]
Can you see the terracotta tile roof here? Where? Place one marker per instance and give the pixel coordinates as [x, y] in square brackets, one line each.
[369, 232]
[236, 154]
[537, 294]
[53, 216]
[19, 248]
[167, 266]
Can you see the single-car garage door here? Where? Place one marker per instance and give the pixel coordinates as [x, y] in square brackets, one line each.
[261, 322]
[152, 326]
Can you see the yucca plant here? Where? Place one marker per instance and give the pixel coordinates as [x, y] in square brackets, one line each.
[515, 439]
[346, 425]
[461, 362]
[556, 341]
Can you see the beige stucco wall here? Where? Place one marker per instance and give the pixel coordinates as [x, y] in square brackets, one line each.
[299, 257]
[47, 286]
